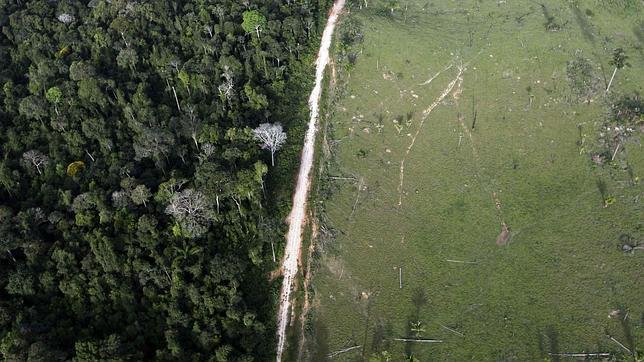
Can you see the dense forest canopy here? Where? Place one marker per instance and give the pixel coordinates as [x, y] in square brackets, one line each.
[137, 207]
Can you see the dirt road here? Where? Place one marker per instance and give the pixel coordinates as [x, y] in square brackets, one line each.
[297, 218]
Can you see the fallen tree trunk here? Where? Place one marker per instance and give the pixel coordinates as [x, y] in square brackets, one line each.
[333, 354]
[599, 354]
[415, 340]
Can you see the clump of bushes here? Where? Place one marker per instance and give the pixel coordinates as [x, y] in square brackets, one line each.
[583, 82]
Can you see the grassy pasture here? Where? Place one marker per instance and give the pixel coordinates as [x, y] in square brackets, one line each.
[551, 288]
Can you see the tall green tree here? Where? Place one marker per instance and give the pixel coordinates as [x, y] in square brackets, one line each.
[254, 22]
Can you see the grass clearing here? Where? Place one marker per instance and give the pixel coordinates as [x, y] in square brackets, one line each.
[521, 176]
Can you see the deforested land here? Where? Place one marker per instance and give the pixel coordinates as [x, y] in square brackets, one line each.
[479, 187]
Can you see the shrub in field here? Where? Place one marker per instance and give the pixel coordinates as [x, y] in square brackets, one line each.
[629, 110]
[583, 82]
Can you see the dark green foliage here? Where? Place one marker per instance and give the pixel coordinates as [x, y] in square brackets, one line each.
[619, 59]
[112, 111]
[583, 81]
[254, 22]
[352, 33]
[629, 110]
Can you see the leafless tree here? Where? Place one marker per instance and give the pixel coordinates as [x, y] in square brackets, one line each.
[65, 18]
[258, 29]
[226, 89]
[192, 124]
[191, 210]
[120, 199]
[208, 29]
[153, 143]
[207, 150]
[271, 136]
[36, 159]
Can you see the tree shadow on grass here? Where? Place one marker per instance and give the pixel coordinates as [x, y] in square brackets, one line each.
[320, 350]
[583, 22]
[549, 344]
[382, 334]
[627, 329]
[418, 300]
[628, 333]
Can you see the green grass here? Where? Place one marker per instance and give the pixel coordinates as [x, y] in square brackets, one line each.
[553, 286]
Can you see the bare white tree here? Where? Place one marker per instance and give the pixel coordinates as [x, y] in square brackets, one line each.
[65, 18]
[208, 29]
[258, 29]
[36, 159]
[207, 150]
[120, 199]
[226, 89]
[154, 143]
[191, 210]
[192, 124]
[271, 136]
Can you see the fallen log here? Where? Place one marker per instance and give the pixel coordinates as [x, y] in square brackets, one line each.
[333, 354]
[452, 330]
[415, 340]
[599, 354]
[460, 261]
[620, 344]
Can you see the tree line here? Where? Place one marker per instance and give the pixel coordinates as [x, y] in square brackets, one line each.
[137, 208]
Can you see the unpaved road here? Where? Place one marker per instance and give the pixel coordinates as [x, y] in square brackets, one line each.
[297, 217]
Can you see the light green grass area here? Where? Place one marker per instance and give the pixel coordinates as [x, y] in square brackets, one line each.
[552, 287]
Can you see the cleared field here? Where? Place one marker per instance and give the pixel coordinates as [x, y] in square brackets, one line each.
[505, 236]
